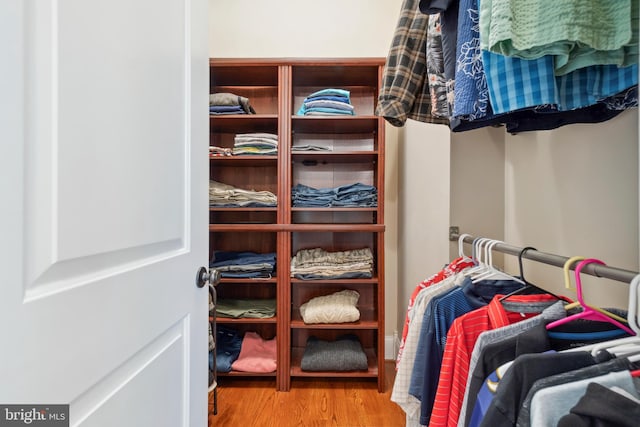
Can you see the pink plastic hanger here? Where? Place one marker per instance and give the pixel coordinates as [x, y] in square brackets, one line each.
[588, 312]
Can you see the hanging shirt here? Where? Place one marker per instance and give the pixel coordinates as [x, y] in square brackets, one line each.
[601, 406]
[459, 344]
[400, 392]
[405, 88]
[576, 34]
[496, 346]
[443, 311]
[526, 370]
[613, 365]
[456, 266]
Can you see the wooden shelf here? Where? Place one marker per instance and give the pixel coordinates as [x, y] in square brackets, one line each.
[256, 281]
[333, 124]
[244, 320]
[296, 370]
[325, 157]
[243, 161]
[246, 374]
[227, 228]
[370, 324]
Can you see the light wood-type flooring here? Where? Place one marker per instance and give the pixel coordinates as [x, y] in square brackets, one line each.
[314, 402]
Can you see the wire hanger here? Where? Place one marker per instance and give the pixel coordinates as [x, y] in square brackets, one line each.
[588, 312]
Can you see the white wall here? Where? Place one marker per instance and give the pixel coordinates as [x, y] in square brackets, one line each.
[327, 28]
[574, 191]
[290, 28]
[423, 209]
[477, 184]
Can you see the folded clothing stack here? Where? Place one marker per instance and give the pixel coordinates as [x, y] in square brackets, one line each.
[339, 307]
[224, 195]
[343, 354]
[244, 265]
[248, 353]
[256, 354]
[327, 102]
[215, 151]
[246, 308]
[228, 343]
[229, 103]
[255, 143]
[314, 264]
[350, 195]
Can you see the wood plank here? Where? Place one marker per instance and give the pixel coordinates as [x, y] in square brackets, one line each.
[349, 402]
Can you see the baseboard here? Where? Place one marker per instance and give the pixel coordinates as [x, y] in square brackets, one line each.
[391, 346]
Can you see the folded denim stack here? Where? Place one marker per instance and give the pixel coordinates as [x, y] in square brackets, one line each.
[351, 195]
[244, 265]
[229, 103]
[314, 264]
[327, 102]
[255, 143]
[228, 344]
[224, 195]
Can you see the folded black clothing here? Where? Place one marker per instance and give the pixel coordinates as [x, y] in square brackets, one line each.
[343, 354]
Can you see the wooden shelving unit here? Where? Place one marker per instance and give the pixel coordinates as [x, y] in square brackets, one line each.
[276, 89]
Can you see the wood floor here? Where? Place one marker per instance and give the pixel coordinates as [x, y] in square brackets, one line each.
[310, 402]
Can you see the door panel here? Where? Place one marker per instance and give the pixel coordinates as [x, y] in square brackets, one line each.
[104, 180]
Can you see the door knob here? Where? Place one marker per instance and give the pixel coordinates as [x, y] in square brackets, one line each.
[203, 276]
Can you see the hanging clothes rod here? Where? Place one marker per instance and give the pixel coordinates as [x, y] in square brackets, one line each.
[593, 269]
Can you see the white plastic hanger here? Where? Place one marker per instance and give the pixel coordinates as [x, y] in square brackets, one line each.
[492, 272]
[632, 313]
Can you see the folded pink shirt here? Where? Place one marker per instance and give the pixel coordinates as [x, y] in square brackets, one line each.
[256, 354]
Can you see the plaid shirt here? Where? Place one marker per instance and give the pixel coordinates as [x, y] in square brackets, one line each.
[405, 86]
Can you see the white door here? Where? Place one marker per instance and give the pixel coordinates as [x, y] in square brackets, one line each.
[103, 209]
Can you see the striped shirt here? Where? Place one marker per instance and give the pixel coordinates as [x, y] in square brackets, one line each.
[461, 339]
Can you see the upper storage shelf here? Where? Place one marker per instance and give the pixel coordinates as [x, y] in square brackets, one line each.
[258, 82]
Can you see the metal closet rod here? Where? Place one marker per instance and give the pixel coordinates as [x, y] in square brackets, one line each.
[592, 269]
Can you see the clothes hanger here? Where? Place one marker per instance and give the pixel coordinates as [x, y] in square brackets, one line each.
[461, 246]
[476, 255]
[492, 272]
[632, 313]
[528, 285]
[567, 284]
[588, 312]
[486, 260]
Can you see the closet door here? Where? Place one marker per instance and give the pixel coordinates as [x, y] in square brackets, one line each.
[103, 219]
